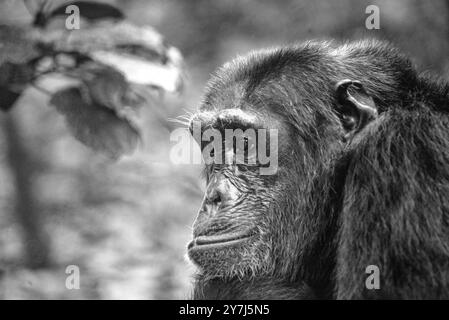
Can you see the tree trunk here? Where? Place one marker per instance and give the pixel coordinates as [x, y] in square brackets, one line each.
[36, 243]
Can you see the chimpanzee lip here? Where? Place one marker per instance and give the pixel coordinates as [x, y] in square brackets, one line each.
[222, 240]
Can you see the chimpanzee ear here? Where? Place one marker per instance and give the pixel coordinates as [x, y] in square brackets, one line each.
[355, 107]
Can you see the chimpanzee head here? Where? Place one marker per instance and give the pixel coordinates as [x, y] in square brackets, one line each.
[314, 102]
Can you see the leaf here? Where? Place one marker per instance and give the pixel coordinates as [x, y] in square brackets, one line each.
[139, 52]
[146, 53]
[97, 127]
[16, 44]
[7, 98]
[107, 86]
[104, 36]
[140, 71]
[15, 74]
[14, 78]
[16, 50]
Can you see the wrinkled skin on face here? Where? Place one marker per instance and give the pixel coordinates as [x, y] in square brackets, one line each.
[232, 233]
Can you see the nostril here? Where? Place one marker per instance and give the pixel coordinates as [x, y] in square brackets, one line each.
[212, 203]
[214, 197]
[221, 193]
[217, 200]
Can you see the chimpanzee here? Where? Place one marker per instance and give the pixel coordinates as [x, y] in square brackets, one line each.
[362, 178]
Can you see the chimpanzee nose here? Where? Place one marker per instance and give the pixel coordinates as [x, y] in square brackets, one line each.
[213, 195]
[215, 191]
[221, 192]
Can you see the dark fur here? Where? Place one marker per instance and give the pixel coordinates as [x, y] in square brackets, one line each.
[217, 289]
[381, 198]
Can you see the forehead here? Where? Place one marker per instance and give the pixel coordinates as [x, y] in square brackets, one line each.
[265, 75]
[234, 83]
[225, 95]
[286, 88]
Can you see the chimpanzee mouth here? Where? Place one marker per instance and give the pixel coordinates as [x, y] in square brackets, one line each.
[217, 241]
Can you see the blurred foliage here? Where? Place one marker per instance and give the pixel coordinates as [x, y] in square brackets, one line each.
[126, 223]
[112, 59]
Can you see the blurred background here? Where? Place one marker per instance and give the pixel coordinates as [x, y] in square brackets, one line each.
[126, 223]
